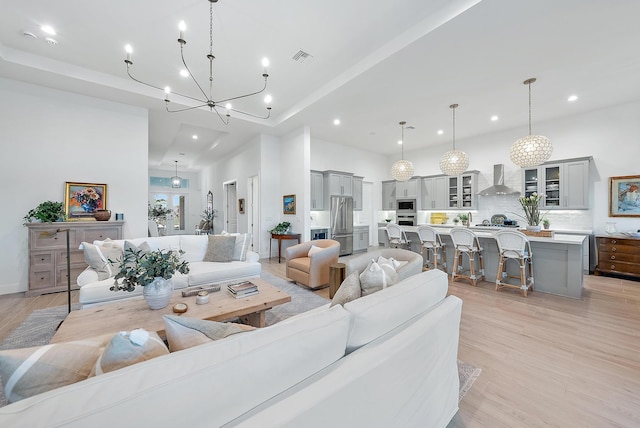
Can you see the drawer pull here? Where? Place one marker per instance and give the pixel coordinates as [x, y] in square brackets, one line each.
[41, 278]
[613, 241]
[613, 249]
[42, 259]
[613, 257]
[613, 267]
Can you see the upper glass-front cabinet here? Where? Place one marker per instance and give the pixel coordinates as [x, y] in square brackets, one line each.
[565, 185]
[462, 190]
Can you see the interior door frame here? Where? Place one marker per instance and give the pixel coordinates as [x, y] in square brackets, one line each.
[230, 205]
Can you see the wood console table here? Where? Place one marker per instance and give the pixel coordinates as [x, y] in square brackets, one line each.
[280, 238]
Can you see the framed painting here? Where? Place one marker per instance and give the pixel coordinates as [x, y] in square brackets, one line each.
[624, 196]
[241, 206]
[82, 200]
[289, 204]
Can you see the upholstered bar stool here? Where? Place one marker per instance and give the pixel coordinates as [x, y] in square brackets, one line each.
[432, 248]
[514, 245]
[467, 245]
[397, 237]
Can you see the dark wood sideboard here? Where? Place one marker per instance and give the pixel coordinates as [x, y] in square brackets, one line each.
[618, 254]
[48, 252]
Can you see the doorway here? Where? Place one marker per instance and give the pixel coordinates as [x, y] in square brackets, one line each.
[230, 212]
[173, 209]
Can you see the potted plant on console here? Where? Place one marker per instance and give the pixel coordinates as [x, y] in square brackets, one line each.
[47, 211]
[152, 270]
[281, 228]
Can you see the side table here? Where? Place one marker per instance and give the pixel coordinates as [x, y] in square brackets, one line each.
[337, 272]
[280, 237]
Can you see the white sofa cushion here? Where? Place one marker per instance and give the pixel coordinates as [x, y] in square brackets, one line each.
[378, 313]
[203, 273]
[243, 240]
[194, 247]
[207, 385]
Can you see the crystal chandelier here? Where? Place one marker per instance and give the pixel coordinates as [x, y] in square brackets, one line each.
[454, 162]
[531, 150]
[176, 181]
[402, 170]
[223, 107]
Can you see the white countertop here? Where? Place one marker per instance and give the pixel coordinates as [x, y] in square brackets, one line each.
[558, 238]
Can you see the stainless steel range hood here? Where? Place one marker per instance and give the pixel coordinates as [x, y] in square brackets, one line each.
[498, 187]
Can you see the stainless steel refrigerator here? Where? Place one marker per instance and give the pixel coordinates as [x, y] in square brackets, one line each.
[342, 223]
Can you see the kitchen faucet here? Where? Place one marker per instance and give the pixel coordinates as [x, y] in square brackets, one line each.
[470, 217]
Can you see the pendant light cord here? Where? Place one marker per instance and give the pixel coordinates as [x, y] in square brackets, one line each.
[453, 107]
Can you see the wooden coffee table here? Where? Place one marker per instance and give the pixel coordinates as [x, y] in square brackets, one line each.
[135, 313]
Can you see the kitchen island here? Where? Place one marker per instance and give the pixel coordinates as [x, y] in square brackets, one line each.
[557, 261]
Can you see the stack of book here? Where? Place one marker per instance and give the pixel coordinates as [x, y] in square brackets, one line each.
[244, 289]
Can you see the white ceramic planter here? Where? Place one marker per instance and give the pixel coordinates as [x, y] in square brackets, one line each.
[158, 293]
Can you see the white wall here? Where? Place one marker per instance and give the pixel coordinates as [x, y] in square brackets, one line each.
[50, 137]
[295, 179]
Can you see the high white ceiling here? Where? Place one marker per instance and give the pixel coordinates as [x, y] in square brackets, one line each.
[374, 64]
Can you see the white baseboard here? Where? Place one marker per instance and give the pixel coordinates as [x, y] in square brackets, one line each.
[13, 288]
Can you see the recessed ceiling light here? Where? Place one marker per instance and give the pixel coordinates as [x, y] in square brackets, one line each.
[194, 136]
[400, 142]
[48, 29]
[51, 41]
[440, 132]
[572, 98]
[336, 121]
[184, 73]
[494, 118]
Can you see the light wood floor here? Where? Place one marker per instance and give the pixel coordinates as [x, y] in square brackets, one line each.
[546, 361]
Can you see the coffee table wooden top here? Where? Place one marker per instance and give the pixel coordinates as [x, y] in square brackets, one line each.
[135, 313]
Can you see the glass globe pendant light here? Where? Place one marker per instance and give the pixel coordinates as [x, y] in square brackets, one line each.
[402, 170]
[531, 150]
[454, 162]
[176, 181]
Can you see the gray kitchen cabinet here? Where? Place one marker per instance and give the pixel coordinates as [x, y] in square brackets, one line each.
[462, 190]
[317, 191]
[338, 183]
[357, 193]
[360, 238]
[407, 189]
[434, 193]
[565, 183]
[389, 195]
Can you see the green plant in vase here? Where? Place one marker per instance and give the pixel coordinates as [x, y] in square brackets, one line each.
[546, 223]
[531, 207]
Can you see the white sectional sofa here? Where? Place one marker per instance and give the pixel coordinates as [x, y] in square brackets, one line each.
[94, 291]
[385, 360]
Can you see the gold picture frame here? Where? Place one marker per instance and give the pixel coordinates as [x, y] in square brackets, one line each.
[624, 196]
[82, 200]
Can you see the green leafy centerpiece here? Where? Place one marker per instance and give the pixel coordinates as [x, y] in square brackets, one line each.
[152, 270]
[47, 211]
[281, 228]
[531, 207]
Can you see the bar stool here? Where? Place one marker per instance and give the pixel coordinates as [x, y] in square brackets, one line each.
[466, 244]
[432, 248]
[514, 245]
[397, 237]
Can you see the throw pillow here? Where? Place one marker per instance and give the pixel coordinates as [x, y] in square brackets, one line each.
[98, 258]
[128, 246]
[243, 241]
[183, 332]
[220, 248]
[127, 348]
[395, 264]
[30, 371]
[314, 250]
[376, 277]
[349, 290]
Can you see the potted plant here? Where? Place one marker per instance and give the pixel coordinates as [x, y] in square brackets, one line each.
[207, 217]
[152, 270]
[464, 218]
[531, 207]
[47, 211]
[281, 228]
[546, 223]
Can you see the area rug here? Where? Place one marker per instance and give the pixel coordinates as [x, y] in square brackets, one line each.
[41, 325]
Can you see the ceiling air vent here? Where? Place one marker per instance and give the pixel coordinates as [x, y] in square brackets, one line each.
[302, 56]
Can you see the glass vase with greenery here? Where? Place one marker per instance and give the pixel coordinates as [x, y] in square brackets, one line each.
[139, 267]
[531, 207]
